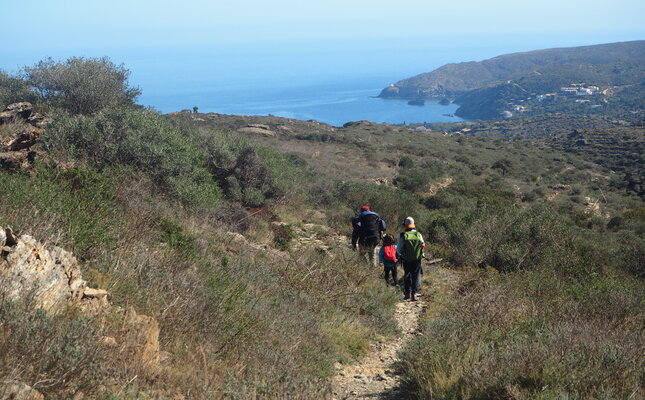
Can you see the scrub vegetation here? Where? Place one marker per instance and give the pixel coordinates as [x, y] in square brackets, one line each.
[231, 239]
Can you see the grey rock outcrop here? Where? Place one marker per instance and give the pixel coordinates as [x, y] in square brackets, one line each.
[48, 277]
[16, 153]
[16, 111]
[257, 129]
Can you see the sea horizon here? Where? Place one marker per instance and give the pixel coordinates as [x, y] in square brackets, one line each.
[329, 81]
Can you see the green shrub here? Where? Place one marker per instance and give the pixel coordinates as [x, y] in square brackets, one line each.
[450, 199]
[282, 236]
[505, 166]
[506, 239]
[417, 179]
[392, 204]
[413, 179]
[137, 138]
[177, 238]
[406, 162]
[630, 253]
[13, 90]
[254, 175]
[81, 85]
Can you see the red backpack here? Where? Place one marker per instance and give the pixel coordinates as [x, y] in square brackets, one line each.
[389, 253]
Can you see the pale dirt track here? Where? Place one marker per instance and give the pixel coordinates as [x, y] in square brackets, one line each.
[376, 375]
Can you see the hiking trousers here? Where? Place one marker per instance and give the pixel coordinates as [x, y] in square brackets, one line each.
[390, 270]
[367, 246]
[411, 279]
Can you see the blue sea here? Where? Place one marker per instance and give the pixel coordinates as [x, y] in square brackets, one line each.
[328, 81]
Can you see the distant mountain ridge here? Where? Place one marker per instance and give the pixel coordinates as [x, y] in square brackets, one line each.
[455, 79]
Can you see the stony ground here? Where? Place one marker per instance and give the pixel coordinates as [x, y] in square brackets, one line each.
[376, 376]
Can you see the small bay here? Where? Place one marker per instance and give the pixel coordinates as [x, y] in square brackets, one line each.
[331, 81]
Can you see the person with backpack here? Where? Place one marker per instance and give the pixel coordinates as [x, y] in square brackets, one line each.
[368, 228]
[389, 257]
[410, 247]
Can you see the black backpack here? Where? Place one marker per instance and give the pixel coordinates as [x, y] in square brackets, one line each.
[370, 226]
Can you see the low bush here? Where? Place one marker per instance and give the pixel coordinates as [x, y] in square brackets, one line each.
[251, 174]
[506, 239]
[177, 238]
[141, 139]
[58, 356]
[282, 236]
[392, 204]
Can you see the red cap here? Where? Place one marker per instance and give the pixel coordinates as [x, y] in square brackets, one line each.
[365, 208]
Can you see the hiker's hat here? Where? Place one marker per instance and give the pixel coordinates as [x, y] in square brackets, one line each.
[365, 208]
[409, 222]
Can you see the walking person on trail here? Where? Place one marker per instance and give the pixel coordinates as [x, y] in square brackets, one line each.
[368, 228]
[410, 247]
[389, 257]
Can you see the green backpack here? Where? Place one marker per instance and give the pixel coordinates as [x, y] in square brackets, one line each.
[412, 246]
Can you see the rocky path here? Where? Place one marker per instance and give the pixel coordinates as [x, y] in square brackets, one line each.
[375, 376]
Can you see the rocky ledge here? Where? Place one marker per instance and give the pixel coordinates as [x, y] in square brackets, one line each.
[48, 277]
[24, 128]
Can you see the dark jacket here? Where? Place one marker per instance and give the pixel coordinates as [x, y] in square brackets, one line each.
[367, 225]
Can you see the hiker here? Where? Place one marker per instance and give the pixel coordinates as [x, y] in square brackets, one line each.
[389, 257]
[410, 247]
[368, 228]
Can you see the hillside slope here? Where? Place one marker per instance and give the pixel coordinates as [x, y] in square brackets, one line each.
[453, 79]
[231, 233]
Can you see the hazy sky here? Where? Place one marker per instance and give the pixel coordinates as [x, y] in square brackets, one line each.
[49, 24]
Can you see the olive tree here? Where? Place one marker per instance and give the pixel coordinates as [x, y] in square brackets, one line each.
[81, 85]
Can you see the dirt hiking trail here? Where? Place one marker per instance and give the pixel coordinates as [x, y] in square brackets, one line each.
[376, 376]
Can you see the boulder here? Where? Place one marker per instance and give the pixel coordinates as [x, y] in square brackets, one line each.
[47, 277]
[15, 153]
[14, 161]
[141, 340]
[258, 129]
[27, 138]
[3, 239]
[259, 126]
[38, 120]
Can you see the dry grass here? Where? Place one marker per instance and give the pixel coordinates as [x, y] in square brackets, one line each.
[237, 320]
[525, 336]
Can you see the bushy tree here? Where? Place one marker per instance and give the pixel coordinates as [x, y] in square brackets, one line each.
[505, 165]
[81, 85]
